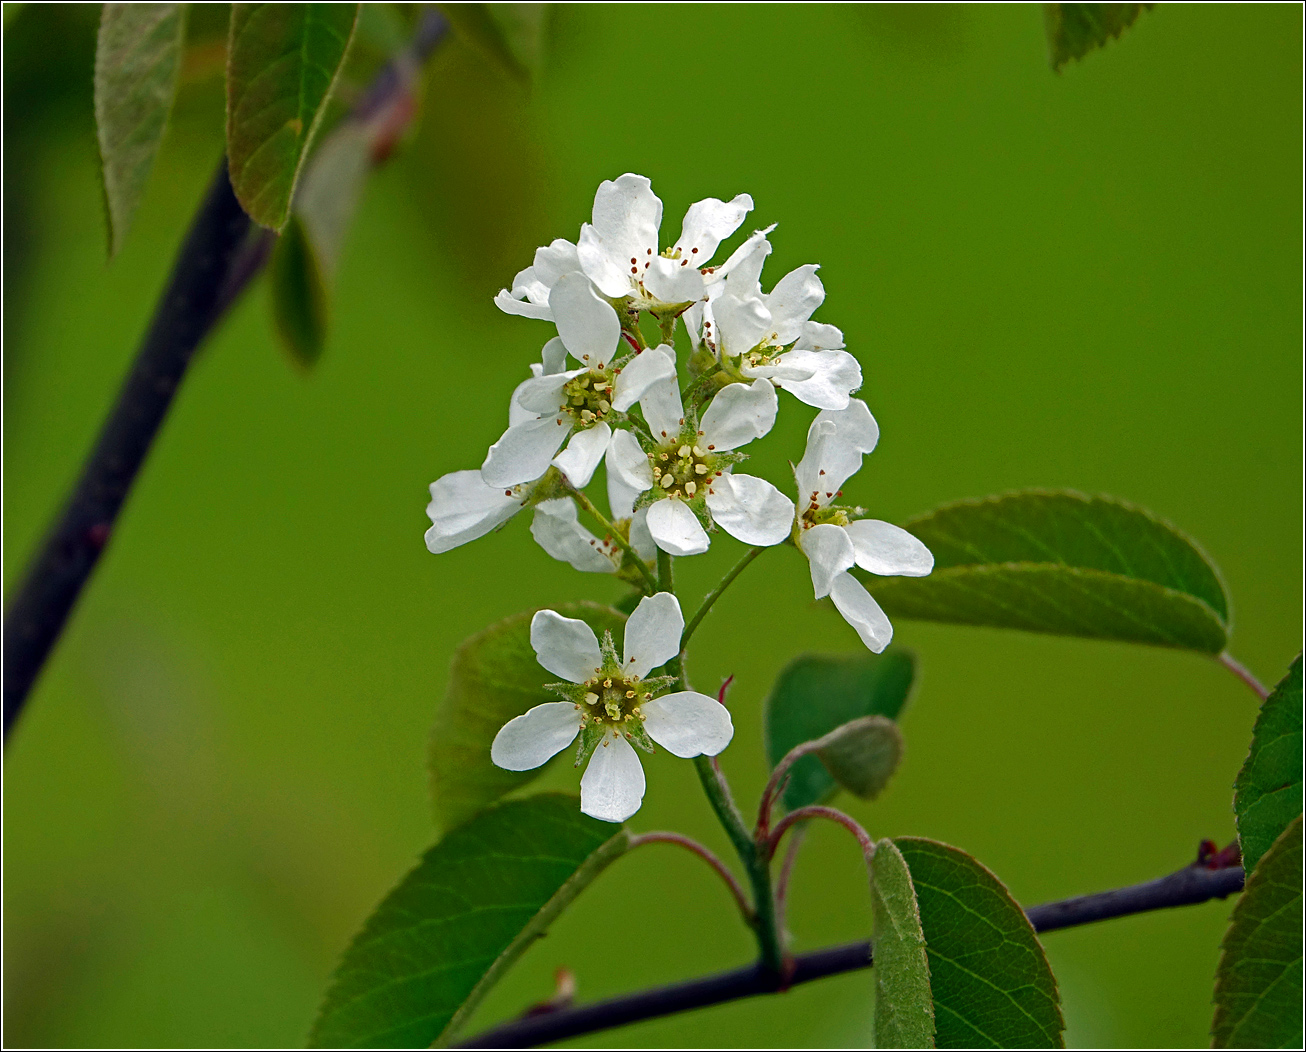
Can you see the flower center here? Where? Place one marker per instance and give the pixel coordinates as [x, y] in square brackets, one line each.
[683, 470]
[815, 515]
[588, 398]
[613, 700]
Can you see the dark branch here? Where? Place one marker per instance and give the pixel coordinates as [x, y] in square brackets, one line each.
[222, 253]
[1189, 886]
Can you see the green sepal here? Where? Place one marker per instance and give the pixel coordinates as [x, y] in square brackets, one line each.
[591, 734]
[568, 691]
[655, 684]
[611, 662]
[638, 736]
[552, 485]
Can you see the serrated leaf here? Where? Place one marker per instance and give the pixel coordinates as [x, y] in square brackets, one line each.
[1258, 983]
[509, 35]
[990, 979]
[300, 305]
[1268, 792]
[1066, 564]
[1073, 30]
[137, 60]
[816, 693]
[904, 1006]
[474, 903]
[495, 677]
[863, 758]
[282, 63]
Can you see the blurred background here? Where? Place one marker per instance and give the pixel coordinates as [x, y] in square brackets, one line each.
[1087, 280]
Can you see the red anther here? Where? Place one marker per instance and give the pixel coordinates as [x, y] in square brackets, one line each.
[721, 694]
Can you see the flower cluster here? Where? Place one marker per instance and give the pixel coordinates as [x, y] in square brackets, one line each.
[610, 388]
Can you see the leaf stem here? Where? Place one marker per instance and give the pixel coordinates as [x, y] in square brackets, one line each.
[588, 506]
[741, 900]
[1241, 671]
[820, 811]
[715, 594]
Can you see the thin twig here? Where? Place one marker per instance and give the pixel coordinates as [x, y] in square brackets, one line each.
[723, 871]
[221, 254]
[787, 871]
[1191, 885]
[1241, 671]
[832, 814]
[715, 594]
[620, 541]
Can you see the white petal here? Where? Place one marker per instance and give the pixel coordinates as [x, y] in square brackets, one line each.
[890, 550]
[693, 319]
[675, 528]
[621, 497]
[553, 358]
[672, 280]
[612, 787]
[743, 252]
[829, 552]
[463, 507]
[744, 269]
[628, 462]
[528, 740]
[817, 336]
[565, 646]
[583, 453]
[510, 304]
[861, 611]
[738, 414]
[641, 373]
[627, 215]
[640, 537]
[707, 224]
[586, 324]
[831, 377]
[688, 724]
[836, 442]
[524, 451]
[601, 267]
[554, 260]
[792, 302]
[739, 323]
[663, 409]
[542, 395]
[750, 509]
[557, 529]
[518, 413]
[652, 634]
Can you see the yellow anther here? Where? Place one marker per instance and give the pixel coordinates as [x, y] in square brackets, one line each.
[683, 451]
[604, 404]
[607, 682]
[690, 487]
[630, 693]
[700, 469]
[698, 452]
[591, 698]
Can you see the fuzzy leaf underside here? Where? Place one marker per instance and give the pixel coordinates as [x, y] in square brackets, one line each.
[1268, 793]
[904, 1006]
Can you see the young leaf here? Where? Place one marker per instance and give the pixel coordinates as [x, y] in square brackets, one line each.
[495, 677]
[904, 1006]
[282, 62]
[509, 35]
[816, 693]
[1074, 30]
[456, 923]
[299, 295]
[1258, 984]
[1066, 564]
[1267, 795]
[864, 757]
[137, 59]
[991, 982]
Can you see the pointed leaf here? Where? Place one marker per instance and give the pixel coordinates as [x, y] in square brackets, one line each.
[1073, 30]
[816, 693]
[863, 758]
[137, 59]
[282, 63]
[495, 677]
[1258, 984]
[300, 304]
[1268, 793]
[992, 984]
[904, 1007]
[509, 35]
[474, 903]
[1062, 563]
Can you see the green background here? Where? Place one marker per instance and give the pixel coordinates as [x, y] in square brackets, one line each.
[1088, 280]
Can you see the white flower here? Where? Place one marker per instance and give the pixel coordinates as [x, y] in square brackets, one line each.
[771, 335]
[688, 468]
[611, 704]
[463, 507]
[618, 251]
[557, 529]
[832, 541]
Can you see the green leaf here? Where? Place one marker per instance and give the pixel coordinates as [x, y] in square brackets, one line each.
[455, 924]
[863, 758]
[1066, 564]
[495, 677]
[300, 303]
[1258, 984]
[1074, 30]
[904, 1006]
[816, 693]
[282, 63]
[137, 60]
[1268, 792]
[991, 981]
[509, 35]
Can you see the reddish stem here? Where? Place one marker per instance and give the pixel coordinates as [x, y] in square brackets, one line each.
[698, 849]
